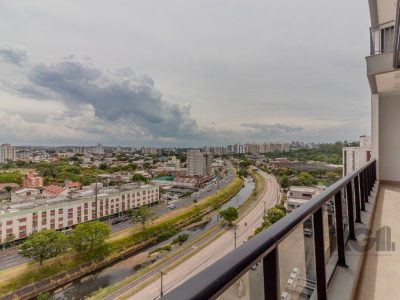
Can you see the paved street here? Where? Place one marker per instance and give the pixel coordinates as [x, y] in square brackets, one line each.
[216, 249]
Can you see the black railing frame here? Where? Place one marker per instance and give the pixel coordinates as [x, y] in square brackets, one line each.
[217, 278]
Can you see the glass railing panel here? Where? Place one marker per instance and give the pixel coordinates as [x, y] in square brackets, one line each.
[297, 263]
[330, 243]
[249, 286]
[345, 215]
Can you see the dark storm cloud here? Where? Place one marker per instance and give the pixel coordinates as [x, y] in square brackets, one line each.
[115, 95]
[13, 54]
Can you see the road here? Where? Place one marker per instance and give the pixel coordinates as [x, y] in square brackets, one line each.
[10, 258]
[215, 250]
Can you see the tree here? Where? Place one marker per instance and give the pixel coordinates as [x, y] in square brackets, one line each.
[284, 181]
[230, 214]
[103, 166]
[144, 214]
[243, 173]
[89, 235]
[139, 178]
[306, 179]
[331, 175]
[146, 165]
[180, 239]
[274, 214]
[44, 244]
[8, 188]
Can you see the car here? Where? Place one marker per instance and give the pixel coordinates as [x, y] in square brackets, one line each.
[125, 218]
[171, 206]
[116, 221]
[308, 232]
[286, 296]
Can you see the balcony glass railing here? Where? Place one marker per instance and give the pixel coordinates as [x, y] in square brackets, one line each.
[295, 258]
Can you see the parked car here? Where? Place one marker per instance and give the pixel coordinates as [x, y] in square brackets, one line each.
[308, 232]
[171, 206]
[116, 221]
[125, 218]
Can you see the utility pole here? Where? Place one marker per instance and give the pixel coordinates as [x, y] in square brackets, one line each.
[95, 193]
[235, 233]
[161, 278]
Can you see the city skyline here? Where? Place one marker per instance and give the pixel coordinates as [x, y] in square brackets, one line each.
[96, 85]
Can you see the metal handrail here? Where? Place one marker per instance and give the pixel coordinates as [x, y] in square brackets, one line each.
[214, 280]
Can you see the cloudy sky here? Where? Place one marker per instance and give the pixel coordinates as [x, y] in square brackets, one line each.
[182, 72]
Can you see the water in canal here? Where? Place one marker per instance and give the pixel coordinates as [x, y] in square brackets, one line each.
[83, 287]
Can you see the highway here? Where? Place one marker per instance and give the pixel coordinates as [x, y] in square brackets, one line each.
[215, 250]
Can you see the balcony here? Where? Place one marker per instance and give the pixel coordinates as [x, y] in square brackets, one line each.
[316, 252]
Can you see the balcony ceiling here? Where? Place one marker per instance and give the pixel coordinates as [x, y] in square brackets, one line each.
[388, 84]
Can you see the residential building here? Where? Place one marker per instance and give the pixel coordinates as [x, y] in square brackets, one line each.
[24, 194]
[7, 152]
[63, 213]
[252, 148]
[54, 190]
[32, 180]
[219, 150]
[298, 195]
[73, 185]
[355, 157]
[150, 151]
[198, 163]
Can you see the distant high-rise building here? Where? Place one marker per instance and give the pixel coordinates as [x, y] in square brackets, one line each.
[7, 152]
[198, 163]
[151, 151]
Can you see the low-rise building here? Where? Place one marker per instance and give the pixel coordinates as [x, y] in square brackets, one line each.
[24, 194]
[298, 195]
[54, 190]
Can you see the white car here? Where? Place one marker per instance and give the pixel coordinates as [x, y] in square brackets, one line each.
[285, 296]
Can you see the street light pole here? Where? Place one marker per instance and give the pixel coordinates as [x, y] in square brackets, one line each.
[95, 194]
[235, 233]
[265, 208]
[161, 278]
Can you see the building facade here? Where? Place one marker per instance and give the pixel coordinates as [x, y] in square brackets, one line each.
[32, 180]
[356, 157]
[19, 223]
[198, 163]
[298, 195]
[384, 81]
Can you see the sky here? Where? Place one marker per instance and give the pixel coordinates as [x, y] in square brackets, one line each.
[183, 72]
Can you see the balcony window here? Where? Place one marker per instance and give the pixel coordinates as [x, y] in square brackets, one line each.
[387, 39]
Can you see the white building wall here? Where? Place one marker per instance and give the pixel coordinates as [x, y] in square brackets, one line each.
[386, 10]
[389, 138]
